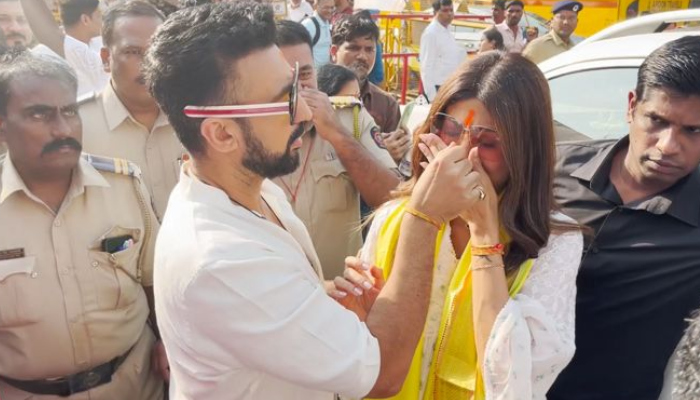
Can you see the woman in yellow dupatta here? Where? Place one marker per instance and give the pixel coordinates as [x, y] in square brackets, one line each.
[501, 317]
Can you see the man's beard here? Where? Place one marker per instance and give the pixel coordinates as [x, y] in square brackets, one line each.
[261, 162]
[361, 69]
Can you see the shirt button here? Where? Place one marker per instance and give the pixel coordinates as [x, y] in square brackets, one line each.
[95, 264]
[34, 275]
[57, 222]
[594, 250]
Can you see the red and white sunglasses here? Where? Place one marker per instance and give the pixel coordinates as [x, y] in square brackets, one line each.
[252, 110]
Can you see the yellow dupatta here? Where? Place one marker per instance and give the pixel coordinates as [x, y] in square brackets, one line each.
[454, 371]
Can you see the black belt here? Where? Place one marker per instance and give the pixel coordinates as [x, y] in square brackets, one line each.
[69, 385]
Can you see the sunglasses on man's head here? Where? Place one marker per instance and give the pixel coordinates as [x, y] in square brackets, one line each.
[486, 139]
[252, 110]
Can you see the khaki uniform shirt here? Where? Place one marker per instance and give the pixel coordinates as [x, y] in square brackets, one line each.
[324, 197]
[110, 130]
[546, 47]
[65, 305]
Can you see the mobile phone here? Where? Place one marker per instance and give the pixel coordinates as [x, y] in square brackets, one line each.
[115, 244]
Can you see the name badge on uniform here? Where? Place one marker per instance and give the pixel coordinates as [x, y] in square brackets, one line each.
[11, 254]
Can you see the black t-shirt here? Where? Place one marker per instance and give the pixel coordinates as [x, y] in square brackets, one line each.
[639, 277]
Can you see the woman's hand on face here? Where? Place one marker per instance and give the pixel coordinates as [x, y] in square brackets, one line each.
[447, 186]
[430, 144]
[358, 288]
[482, 217]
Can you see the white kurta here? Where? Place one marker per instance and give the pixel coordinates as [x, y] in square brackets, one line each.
[241, 308]
[532, 339]
[440, 55]
[85, 60]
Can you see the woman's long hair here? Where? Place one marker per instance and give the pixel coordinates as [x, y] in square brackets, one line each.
[516, 94]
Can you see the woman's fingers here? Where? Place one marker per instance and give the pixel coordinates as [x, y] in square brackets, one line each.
[360, 280]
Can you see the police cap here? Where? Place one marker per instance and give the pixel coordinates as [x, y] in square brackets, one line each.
[571, 5]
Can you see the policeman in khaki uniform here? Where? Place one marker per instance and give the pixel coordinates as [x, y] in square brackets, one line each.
[558, 40]
[111, 130]
[76, 251]
[323, 195]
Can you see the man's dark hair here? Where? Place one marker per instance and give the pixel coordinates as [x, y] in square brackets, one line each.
[290, 33]
[164, 6]
[193, 3]
[133, 8]
[192, 59]
[332, 78]
[437, 4]
[20, 64]
[71, 10]
[675, 66]
[515, 3]
[358, 25]
[499, 4]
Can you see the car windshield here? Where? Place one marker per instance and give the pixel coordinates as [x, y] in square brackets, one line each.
[593, 102]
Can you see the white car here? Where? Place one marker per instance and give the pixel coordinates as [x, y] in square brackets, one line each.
[652, 23]
[590, 84]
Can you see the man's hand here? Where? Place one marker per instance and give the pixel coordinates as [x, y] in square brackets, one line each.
[397, 143]
[358, 288]
[324, 118]
[159, 361]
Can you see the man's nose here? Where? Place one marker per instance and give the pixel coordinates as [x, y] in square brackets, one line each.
[14, 25]
[668, 143]
[61, 127]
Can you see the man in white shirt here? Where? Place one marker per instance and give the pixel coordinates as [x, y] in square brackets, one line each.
[82, 21]
[513, 38]
[440, 54]
[297, 10]
[319, 27]
[243, 311]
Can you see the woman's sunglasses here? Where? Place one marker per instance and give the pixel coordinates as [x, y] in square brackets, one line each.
[486, 139]
[252, 110]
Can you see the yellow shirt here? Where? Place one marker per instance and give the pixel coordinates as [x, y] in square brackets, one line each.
[546, 47]
[324, 197]
[110, 130]
[67, 306]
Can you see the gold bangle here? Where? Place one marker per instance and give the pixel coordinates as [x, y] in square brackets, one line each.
[487, 266]
[424, 217]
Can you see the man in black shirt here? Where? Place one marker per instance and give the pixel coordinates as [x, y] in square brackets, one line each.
[640, 273]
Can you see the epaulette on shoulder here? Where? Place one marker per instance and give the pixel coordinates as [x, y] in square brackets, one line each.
[114, 165]
[339, 102]
[86, 98]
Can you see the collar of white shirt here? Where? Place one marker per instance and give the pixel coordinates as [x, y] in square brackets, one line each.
[195, 190]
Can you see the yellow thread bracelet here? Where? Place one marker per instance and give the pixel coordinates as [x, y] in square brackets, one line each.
[422, 216]
[487, 266]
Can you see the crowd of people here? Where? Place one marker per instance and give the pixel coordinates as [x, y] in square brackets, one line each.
[192, 206]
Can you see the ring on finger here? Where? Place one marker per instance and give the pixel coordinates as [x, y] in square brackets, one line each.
[482, 194]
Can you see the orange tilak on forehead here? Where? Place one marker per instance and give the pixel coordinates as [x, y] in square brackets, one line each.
[469, 119]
